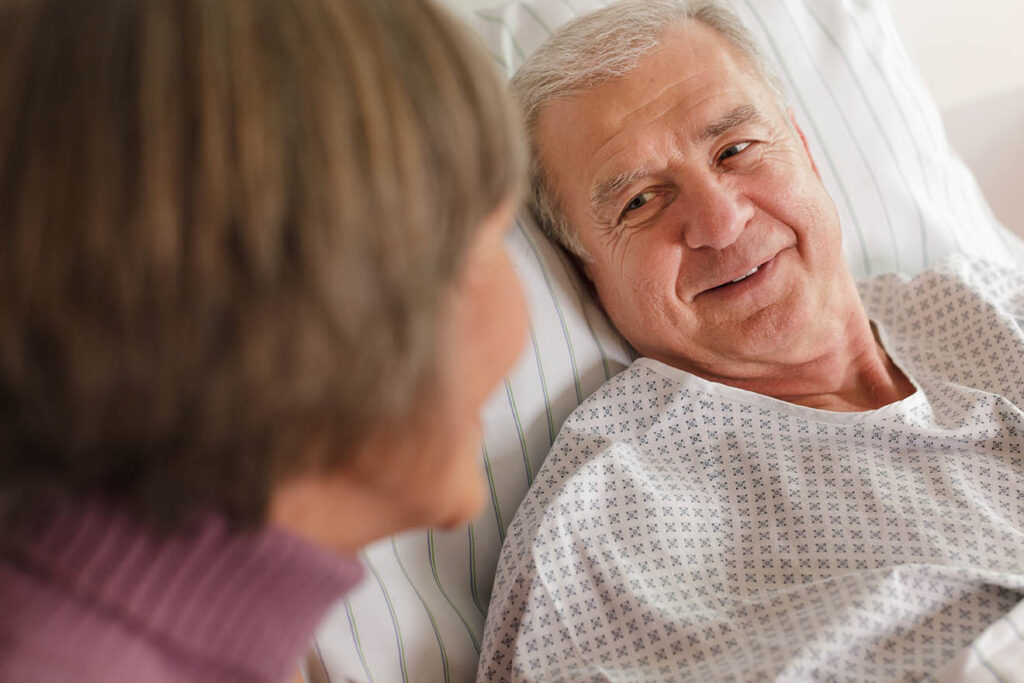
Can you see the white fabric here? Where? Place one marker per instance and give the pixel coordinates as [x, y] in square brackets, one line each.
[996, 656]
[905, 201]
[686, 530]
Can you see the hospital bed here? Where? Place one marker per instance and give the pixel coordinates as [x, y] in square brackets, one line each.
[905, 197]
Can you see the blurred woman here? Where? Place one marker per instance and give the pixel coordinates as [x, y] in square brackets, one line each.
[252, 296]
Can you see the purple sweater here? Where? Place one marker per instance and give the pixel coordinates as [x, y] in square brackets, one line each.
[98, 598]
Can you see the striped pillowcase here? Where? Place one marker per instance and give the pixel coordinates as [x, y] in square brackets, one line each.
[904, 199]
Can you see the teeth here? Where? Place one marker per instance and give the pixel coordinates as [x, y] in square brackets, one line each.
[746, 276]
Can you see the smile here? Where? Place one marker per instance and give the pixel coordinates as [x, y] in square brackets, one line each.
[744, 277]
[746, 281]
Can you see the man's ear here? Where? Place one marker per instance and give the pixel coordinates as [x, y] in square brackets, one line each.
[803, 139]
[584, 267]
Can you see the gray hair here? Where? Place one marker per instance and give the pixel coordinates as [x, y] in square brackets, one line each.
[600, 47]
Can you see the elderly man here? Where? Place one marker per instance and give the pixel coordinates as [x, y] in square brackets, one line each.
[802, 477]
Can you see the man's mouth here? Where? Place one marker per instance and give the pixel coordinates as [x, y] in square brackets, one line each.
[742, 281]
[744, 277]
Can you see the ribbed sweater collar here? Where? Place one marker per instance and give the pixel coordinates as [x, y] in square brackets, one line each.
[244, 601]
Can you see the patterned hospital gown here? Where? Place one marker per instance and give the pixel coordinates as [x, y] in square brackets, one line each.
[686, 530]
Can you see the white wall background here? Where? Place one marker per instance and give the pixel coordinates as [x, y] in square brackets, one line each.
[972, 56]
[967, 50]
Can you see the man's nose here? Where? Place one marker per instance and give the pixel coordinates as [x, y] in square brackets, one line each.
[717, 213]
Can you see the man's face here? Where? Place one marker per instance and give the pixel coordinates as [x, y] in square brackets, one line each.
[682, 178]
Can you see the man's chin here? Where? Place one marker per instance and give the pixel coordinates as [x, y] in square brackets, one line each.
[734, 353]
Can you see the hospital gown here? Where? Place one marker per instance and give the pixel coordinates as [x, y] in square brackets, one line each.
[686, 530]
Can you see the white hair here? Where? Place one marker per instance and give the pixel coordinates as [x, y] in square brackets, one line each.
[602, 46]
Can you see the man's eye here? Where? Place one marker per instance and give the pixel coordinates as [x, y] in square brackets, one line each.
[638, 202]
[733, 150]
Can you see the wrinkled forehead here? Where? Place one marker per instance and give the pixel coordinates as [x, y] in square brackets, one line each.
[691, 79]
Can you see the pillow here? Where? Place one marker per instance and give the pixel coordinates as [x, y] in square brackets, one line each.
[904, 200]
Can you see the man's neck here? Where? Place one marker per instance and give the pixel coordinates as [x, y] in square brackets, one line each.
[870, 381]
[853, 374]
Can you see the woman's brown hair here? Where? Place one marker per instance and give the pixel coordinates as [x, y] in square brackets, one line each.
[227, 226]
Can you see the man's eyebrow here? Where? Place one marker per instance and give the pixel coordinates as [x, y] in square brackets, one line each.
[605, 191]
[737, 117]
